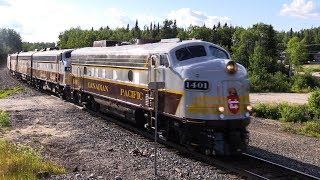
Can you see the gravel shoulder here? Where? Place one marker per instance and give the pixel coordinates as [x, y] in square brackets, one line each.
[296, 98]
[91, 147]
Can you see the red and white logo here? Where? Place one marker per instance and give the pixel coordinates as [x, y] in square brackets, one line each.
[233, 100]
[233, 104]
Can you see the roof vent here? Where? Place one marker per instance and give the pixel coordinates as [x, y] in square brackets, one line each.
[171, 40]
[145, 41]
[106, 43]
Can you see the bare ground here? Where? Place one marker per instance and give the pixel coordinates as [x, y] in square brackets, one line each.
[296, 98]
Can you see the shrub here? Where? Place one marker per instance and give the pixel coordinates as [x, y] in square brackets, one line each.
[284, 112]
[266, 82]
[280, 83]
[293, 113]
[267, 111]
[314, 103]
[304, 83]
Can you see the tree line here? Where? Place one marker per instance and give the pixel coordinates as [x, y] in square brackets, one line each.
[270, 56]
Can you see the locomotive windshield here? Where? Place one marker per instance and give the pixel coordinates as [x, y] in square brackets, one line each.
[218, 53]
[190, 52]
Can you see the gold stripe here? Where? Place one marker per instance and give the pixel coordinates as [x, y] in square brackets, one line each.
[171, 91]
[203, 105]
[112, 81]
[46, 71]
[219, 98]
[129, 84]
[48, 62]
[111, 67]
[212, 111]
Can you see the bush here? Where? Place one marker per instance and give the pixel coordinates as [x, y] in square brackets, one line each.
[284, 112]
[314, 103]
[314, 100]
[265, 82]
[304, 83]
[294, 113]
[267, 111]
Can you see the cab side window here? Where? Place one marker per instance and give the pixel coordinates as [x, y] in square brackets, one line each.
[218, 53]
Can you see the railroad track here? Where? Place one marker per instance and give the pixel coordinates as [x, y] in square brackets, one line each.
[265, 169]
[245, 166]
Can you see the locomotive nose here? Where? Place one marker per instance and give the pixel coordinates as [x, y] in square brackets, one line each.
[219, 90]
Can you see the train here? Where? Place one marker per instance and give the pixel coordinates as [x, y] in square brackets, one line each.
[202, 103]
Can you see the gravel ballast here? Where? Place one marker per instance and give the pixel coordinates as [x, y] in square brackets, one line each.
[90, 147]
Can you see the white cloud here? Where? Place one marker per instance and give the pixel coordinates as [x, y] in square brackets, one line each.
[186, 16]
[36, 20]
[43, 20]
[301, 9]
[4, 3]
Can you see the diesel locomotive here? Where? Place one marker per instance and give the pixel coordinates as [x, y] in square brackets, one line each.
[203, 105]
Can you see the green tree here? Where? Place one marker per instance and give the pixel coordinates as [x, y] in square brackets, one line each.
[202, 33]
[27, 46]
[136, 32]
[297, 52]
[169, 29]
[10, 41]
[182, 34]
[259, 60]
[243, 46]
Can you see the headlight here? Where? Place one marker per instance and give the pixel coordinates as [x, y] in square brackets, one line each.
[249, 108]
[232, 67]
[221, 109]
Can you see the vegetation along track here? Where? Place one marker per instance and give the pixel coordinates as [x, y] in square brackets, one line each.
[245, 166]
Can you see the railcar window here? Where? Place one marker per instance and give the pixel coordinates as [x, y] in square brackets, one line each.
[85, 70]
[218, 53]
[164, 60]
[68, 55]
[190, 52]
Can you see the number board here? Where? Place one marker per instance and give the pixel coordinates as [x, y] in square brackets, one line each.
[67, 68]
[197, 85]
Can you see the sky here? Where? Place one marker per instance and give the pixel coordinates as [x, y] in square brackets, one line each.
[44, 20]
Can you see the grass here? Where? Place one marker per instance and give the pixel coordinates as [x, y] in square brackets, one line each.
[22, 162]
[310, 128]
[6, 92]
[4, 119]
